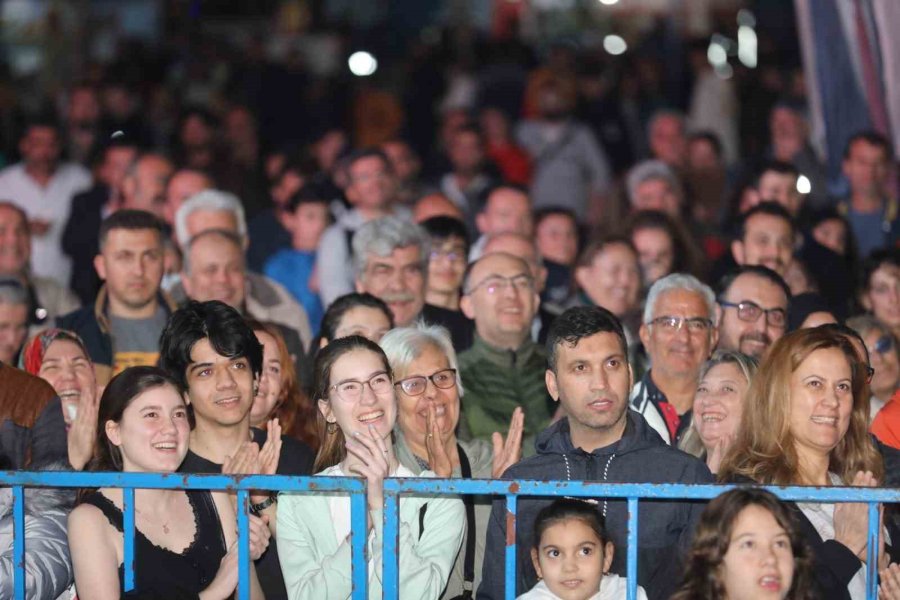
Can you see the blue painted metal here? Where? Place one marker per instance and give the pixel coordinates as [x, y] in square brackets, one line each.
[632, 559]
[359, 535]
[391, 548]
[128, 527]
[509, 576]
[243, 516]
[19, 541]
[872, 565]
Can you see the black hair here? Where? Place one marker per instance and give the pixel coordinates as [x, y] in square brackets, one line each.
[709, 137]
[685, 256]
[443, 227]
[773, 209]
[580, 322]
[132, 220]
[311, 193]
[565, 509]
[43, 119]
[848, 332]
[373, 152]
[777, 166]
[873, 262]
[724, 284]
[554, 211]
[872, 138]
[331, 320]
[224, 327]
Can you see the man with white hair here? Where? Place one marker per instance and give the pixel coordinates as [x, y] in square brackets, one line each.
[263, 299]
[678, 333]
[652, 185]
[13, 319]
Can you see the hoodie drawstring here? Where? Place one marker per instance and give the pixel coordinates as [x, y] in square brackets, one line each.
[605, 474]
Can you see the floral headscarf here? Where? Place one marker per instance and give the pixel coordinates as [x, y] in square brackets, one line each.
[32, 356]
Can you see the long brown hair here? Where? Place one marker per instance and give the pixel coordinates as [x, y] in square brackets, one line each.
[703, 573]
[332, 449]
[764, 449]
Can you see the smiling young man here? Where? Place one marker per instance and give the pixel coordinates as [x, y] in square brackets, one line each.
[599, 439]
[213, 353]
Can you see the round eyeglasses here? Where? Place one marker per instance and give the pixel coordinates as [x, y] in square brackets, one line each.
[351, 390]
[415, 386]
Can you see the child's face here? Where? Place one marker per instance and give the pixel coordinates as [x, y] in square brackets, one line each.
[307, 224]
[571, 559]
[760, 561]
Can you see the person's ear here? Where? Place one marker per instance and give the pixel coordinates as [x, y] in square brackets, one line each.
[322, 343]
[465, 305]
[582, 276]
[608, 552]
[737, 251]
[359, 285]
[113, 433]
[864, 300]
[644, 334]
[100, 266]
[552, 384]
[481, 223]
[325, 409]
[536, 563]
[719, 314]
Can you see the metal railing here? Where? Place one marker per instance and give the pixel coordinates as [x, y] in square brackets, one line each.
[393, 489]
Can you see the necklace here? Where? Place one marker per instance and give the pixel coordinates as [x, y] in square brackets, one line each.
[165, 525]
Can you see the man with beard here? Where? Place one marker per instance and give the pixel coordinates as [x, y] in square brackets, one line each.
[598, 439]
[752, 309]
[766, 237]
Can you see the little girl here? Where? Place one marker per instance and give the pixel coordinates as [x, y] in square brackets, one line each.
[572, 554]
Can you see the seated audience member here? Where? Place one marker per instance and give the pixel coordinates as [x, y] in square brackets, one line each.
[263, 298]
[425, 435]
[572, 553]
[121, 327]
[777, 182]
[355, 425]
[879, 292]
[666, 137]
[356, 314]
[185, 541]
[371, 191]
[748, 545]
[279, 395]
[503, 368]
[881, 346]
[751, 310]
[718, 406]
[60, 358]
[556, 235]
[469, 175]
[766, 237]
[305, 217]
[144, 184]
[800, 279]
[183, 184]
[662, 244]
[678, 334]
[214, 356]
[652, 185]
[831, 230]
[511, 159]
[446, 262]
[13, 319]
[406, 165]
[598, 439]
[47, 299]
[435, 205]
[809, 310]
[828, 254]
[507, 209]
[805, 423]
[706, 177]
[267, 229]
[48, 564]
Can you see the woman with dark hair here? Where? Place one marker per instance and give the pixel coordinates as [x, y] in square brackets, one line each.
[806, 423]
[354, 389]
[184, 540]
[355, 314]
[748, 545]
[879, 290]
[663, 245]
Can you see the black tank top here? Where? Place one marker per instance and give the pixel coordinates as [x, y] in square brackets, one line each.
[162, 573]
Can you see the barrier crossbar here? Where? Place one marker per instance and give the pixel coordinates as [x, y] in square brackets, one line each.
[393, 489]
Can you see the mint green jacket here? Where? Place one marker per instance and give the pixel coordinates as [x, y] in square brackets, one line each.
[317, 567]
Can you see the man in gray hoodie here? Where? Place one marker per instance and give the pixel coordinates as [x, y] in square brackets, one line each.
[600, 440]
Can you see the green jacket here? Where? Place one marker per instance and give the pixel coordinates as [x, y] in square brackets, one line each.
[496, 381]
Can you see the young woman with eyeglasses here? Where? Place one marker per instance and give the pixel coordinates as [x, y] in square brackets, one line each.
[354, 389]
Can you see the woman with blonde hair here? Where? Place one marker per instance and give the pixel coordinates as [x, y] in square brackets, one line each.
[805, 423]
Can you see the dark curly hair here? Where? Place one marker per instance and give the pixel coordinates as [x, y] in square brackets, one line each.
[702, 577]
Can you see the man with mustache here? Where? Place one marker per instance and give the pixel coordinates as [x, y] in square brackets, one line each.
[751, 310]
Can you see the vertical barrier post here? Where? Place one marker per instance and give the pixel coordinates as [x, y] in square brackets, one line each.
[872, 552]
[359, 533]
[390, 549]
[509, 576]
[632, 556]
[128, 508]
[18, 542]
[243, 506]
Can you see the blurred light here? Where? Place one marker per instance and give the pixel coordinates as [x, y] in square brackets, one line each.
[609, 2]
[362, 64]
[746, 18]
[716, 54]
[804, 186]
[614, 44]
[724, 71]
[747, 46]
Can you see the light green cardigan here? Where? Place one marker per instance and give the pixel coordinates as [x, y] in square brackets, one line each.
[316, 566]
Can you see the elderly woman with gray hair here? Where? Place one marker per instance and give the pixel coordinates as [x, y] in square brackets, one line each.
[429, 389]
[718, 406]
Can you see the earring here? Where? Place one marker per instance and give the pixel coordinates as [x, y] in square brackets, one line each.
[331, 427]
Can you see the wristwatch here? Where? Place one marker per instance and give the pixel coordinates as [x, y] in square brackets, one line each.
[258, 508]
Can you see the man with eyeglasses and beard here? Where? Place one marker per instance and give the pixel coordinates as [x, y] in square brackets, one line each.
[752, 309]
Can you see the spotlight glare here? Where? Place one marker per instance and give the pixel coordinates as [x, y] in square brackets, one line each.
[362, 63]
[804, 186]
[614, 44]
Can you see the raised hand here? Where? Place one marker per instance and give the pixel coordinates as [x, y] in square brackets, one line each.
[260, 536]
[245, 460]
[438, 459]
[508, 452]
[851, 519]
[271, 450]
[714, 458]
[889, 586]
[81, 436]
[374, 464]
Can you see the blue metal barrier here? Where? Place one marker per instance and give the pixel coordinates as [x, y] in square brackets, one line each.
[393, 489]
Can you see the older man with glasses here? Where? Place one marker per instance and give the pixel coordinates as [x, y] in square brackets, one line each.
[504, 368]
[752, 310]
[678, 333]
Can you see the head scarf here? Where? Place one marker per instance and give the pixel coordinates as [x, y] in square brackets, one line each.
[32, 355]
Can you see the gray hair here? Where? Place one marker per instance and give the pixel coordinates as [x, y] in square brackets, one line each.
[403, 345]
[12, 291]
[210, 200]
[679, 281]
[650, 170]
[382, 236]
[224, 234]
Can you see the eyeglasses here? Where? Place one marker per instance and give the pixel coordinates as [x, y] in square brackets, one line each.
[498, 283]
[750, 311]
[884, 344]
[452, 255]
[674, 324]
[351, 390]
[415, 386]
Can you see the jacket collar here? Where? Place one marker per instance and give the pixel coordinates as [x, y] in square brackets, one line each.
[101, 307]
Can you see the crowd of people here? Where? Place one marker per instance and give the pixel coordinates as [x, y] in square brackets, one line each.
[525, 301]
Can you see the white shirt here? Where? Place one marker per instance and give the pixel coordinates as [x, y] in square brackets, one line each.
[51, 203]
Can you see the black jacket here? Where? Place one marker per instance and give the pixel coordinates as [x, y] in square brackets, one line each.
[81, 241]
[665, 528]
